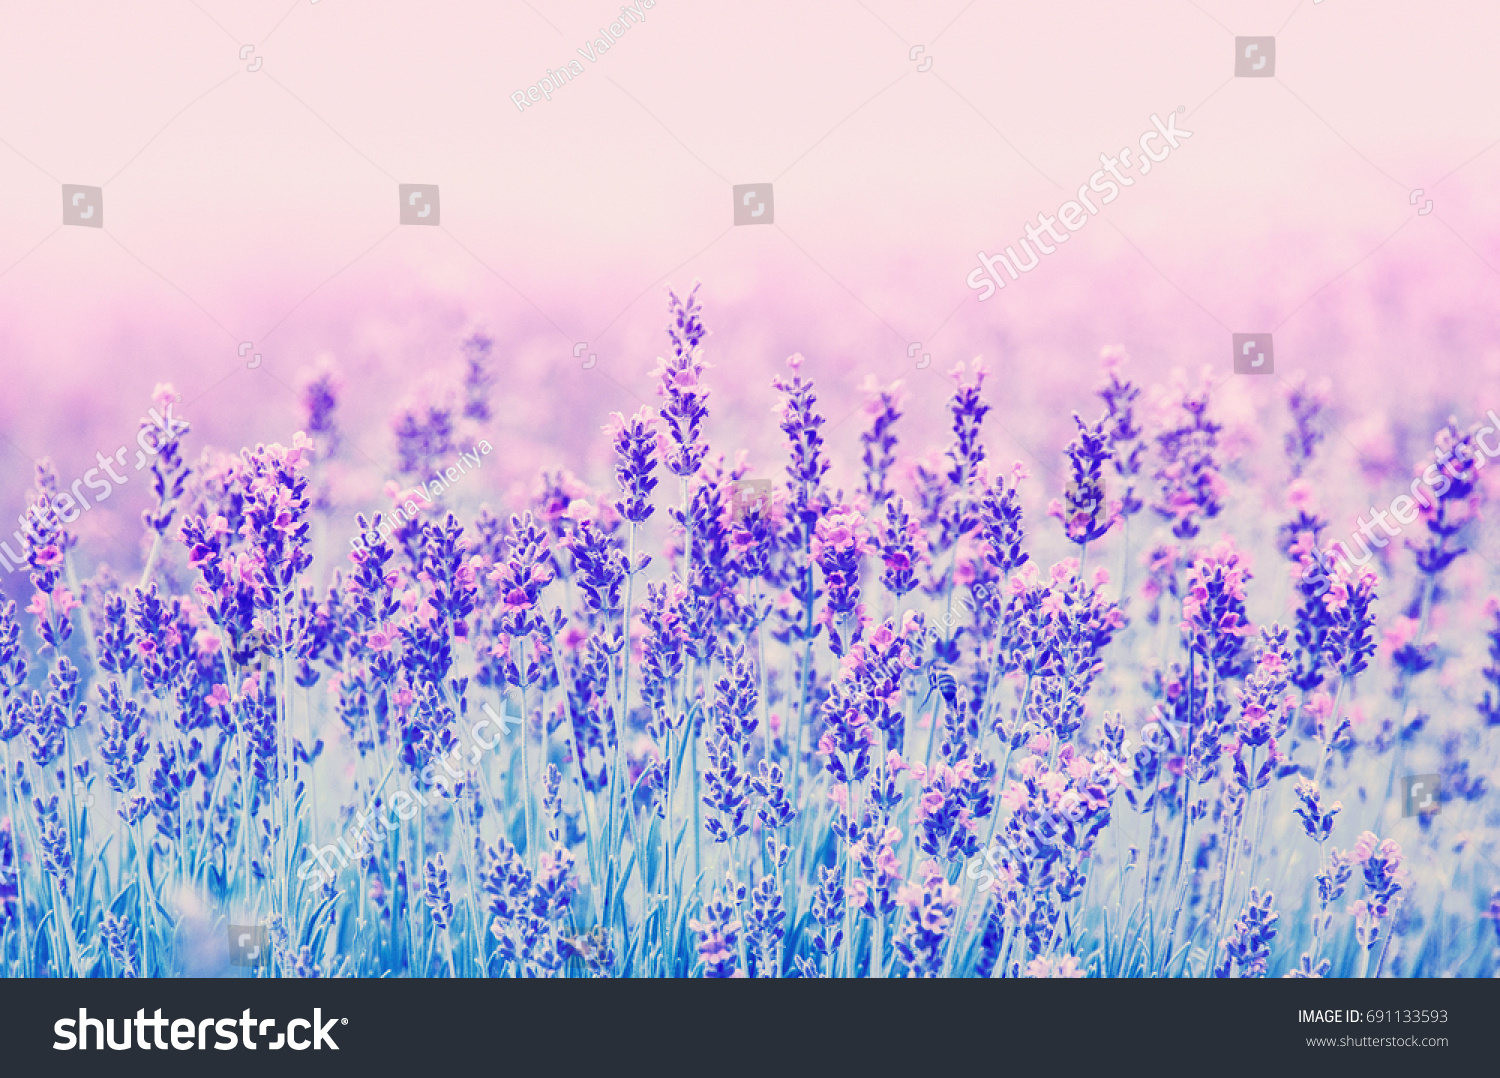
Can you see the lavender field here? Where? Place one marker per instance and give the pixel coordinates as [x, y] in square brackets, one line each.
[1150, 715]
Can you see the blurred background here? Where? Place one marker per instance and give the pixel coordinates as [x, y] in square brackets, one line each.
[249, 155]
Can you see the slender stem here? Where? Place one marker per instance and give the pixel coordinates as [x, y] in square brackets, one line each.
[1317, 946]
[470, 896]
[1429, 585]
[150, 560]
[142, 882]
[612, 840]
[697, 802]
[668, 858]
[526, 758]
[1231, 857]
[851, 795]
[448, 952]
[794, 761]
[12, 804]
[1380, 965]
[1150, 842]
[1333, 725]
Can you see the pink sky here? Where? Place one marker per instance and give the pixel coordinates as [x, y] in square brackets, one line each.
[261, 206]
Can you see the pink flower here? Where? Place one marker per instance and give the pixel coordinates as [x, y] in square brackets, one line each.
[1054, 604]
[1299, 495]
[219, 697]
[1400, 632]
[910, 896]
[208, 641]
[1014, 796]
[859, 892]
[299, 456]
[931, 801]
